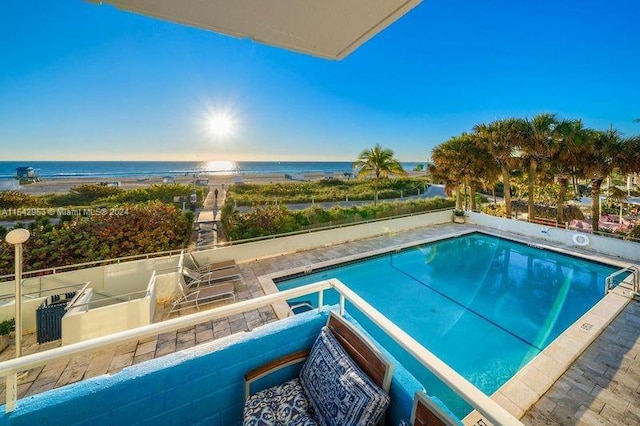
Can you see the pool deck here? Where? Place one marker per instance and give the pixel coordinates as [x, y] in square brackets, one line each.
[601, 386]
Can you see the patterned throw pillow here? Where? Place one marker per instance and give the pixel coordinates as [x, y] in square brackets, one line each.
[340, 393]
[281, 405]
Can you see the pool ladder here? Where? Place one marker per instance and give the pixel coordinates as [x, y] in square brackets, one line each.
[610, 284]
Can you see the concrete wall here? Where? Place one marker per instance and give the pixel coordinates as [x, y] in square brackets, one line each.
[8, 311]
[266, 248]
[201, 385]
[114, 279]
[605, 245]
[80, 324]
[111, 280]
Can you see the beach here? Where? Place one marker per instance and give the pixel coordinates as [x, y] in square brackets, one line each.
[63, 185]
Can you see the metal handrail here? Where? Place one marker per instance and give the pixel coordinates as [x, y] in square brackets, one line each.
[31, 294]
[120, 298]
[310, 230]
[635, 272]
[474, 396]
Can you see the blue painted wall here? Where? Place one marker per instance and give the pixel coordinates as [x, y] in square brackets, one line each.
[201, 385]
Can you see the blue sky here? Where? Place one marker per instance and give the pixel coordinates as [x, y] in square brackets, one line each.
[85, 82]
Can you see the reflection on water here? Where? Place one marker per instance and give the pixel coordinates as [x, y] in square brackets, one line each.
[219, 167]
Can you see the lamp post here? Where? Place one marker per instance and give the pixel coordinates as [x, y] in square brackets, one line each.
[17, 237]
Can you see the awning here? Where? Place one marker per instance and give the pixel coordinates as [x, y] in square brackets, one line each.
[329, 29]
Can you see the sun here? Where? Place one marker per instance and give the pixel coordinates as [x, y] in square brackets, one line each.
[221, 124]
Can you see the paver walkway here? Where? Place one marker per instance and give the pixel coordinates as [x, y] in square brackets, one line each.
[602, 387]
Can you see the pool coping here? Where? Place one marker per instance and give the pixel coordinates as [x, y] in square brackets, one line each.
[533, 380]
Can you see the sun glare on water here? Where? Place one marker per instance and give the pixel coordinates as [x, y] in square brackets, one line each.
[219, 166]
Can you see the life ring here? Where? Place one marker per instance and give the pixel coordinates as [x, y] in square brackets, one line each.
[580, 240]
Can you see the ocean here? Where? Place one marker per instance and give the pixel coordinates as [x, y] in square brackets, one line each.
[131, 169]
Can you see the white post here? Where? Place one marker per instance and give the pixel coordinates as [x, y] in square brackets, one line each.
[17, 237]
[11, 392]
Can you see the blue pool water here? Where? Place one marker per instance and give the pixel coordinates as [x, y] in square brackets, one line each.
[484, 305]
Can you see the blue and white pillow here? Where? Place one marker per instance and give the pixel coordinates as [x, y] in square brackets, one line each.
[340, 393]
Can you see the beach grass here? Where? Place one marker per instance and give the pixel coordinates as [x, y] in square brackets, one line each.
[332, 190]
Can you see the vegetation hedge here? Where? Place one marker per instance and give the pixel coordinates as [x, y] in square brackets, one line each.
[129, 229]
[92, 195]
[325, 190]
[278, 219]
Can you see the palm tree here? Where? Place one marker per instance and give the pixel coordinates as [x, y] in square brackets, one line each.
[462, 163]
[538, 134]
[566, 161]
[501, 139]
[602, 153]
[379, 162]
[445, 169]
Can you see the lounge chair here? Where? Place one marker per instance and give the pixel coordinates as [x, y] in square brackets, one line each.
[430, 411]
[196, 279]
[201, 295]
[209, 267]
[342, 369]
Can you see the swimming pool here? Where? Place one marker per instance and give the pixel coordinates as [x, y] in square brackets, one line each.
[484, 305]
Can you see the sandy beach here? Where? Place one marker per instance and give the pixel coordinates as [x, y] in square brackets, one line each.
[58, 186]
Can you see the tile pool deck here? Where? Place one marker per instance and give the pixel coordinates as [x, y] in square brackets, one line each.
[602, 385]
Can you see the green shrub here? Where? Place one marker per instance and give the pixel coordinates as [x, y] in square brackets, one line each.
[323, 191]
[125, 230]
[16, 200]
[272, 219]
[7, 326]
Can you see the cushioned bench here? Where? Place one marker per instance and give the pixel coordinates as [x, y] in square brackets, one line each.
[344, 381]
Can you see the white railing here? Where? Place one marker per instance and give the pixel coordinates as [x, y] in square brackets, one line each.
[104, 262]
[635, 272]
[474, 396]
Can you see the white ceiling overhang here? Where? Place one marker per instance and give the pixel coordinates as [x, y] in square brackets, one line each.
[329, 29]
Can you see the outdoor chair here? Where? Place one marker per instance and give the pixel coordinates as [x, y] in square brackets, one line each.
[197, 279]
[198, 296]
[430, 411]
[209, 267]
[343, 369]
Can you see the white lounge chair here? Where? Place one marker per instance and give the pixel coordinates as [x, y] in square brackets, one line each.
[201, 295]
[196, 279]
[209, 267]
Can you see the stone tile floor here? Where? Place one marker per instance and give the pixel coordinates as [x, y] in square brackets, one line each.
[602, 386]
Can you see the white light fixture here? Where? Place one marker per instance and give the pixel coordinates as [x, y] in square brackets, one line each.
[17, 237]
